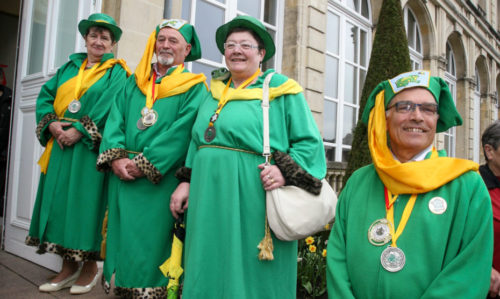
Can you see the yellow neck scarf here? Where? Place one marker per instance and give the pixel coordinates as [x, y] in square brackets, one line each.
[75, 88]
[411, 177]
[170, 85]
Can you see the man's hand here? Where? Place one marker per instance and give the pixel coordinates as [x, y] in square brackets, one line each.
[179, 199]
[495, 283]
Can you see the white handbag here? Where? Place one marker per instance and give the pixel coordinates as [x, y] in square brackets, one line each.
[292, 212]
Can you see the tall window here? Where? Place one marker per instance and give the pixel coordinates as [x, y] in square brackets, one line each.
[53, 34]
[450, 77]
[346, 62]
[414, 39]
[208, 15]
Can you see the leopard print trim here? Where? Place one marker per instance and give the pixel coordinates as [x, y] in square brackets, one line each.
[183, 174]
[105, 158]
[75, 255]
[141, 293]
[43, 122]
[92, 130]
[151, 172]
[296, 175]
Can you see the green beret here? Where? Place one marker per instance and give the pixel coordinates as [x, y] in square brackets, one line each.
[188, 32]
[250, 23]
[448, 114]
[100, 20]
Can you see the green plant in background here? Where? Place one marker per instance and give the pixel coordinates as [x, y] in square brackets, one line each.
[311, 270]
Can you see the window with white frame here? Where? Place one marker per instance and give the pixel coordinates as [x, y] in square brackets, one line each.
[348, 40]
[450, 77]
[414, 39]
[53, 34]
[269, 12]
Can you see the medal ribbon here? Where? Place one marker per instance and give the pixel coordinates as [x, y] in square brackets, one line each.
[152, 88]
[389, 209]
[80, 78]
[225, 96]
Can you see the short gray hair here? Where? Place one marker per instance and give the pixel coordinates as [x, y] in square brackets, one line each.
[491, 136]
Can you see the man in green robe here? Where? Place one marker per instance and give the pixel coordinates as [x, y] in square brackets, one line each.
[145, 141]
[414, 224]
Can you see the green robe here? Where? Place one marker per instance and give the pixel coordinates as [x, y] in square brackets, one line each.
[226, 213]
[139, 234]
[447, 255]
[69, 207]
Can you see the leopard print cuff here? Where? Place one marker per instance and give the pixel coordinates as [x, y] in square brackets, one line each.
[68, 254]
[151, 172]
[296, 175]
[183, 174]
[105, 158]
[48, 118]
[153, 292]
[92, 130]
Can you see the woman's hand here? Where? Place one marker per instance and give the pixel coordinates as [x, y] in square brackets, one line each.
[56, 128]
[179, 199]
[119, 167]
[69, 137]
[495, 283]
[133, 170]
[271, 177]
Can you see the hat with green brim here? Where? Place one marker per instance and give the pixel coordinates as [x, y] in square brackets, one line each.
[100, 20]
[250, 23]
[448, 114]
[188, 32]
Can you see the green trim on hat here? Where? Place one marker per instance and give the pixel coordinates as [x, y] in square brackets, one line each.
[448, 114]
[250, 23]
[188, 32]
[100, 20]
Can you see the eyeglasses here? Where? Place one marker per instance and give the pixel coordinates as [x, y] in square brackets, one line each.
[243, 46]
[407, 106]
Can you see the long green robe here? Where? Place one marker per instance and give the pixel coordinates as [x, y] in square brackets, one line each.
[226, 213]
[69, 207]
[139, 233]
[447, 255]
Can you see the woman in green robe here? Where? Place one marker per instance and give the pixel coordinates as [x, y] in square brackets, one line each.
[71, 110]
[226, 218]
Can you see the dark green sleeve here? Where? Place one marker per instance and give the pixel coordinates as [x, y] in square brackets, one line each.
[92, 125]
[168, 150]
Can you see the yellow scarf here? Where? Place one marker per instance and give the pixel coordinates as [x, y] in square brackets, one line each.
[67, 92]
[173, 84]
[411, 177]
[217, 88]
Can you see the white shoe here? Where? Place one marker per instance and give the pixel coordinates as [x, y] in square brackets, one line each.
[76, 289]
[56, 286]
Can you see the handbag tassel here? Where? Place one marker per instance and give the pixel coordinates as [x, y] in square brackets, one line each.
[266, 246]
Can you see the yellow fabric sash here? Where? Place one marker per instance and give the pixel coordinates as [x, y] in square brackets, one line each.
[289, 87]
[411, 177]
[67, 92]
[173, 84]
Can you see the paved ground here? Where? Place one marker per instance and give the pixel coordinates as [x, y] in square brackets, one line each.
[19, 279]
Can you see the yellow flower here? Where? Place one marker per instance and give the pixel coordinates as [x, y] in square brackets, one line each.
[309, 240]
[312, 248]
[324, 253]
[327, 226]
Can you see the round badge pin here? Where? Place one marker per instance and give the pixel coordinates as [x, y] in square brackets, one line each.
[74, 106]
[393, 259]
[379, 232]
[438, 205]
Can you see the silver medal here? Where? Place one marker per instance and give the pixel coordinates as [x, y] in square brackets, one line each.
[379, 232]
[438, 205]
[140, 125]
[150, 118]
[74, 106]
[392, 259]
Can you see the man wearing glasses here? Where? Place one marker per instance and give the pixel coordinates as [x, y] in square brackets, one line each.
[415, 223]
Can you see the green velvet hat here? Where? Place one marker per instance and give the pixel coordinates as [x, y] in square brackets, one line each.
[188, 32]
[100, 20]
[448, 114]
[249, 23]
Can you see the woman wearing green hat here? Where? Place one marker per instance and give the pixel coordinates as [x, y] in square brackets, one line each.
[71, 111]
[228, 182]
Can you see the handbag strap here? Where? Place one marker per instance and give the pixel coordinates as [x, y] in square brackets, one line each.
[266, 151]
